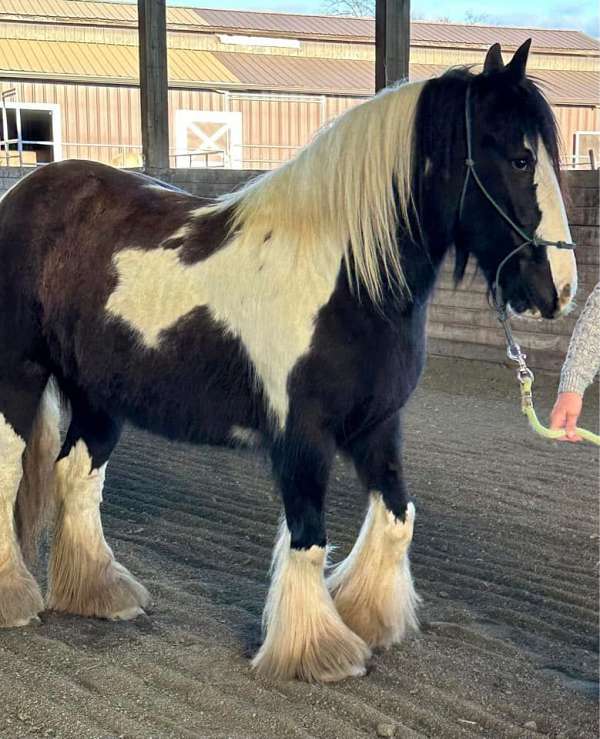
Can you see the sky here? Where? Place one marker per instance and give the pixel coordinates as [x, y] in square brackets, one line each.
[581, 15]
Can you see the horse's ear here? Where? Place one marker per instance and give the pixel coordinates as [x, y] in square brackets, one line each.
[518, 63]
[493, 59]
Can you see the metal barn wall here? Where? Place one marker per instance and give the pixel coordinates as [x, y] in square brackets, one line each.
[274, 126]
[97, 117]
[572, 119]
[102, 122]
[93, 117]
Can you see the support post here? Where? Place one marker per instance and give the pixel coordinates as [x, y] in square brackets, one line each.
[392, 41]
[154, 85]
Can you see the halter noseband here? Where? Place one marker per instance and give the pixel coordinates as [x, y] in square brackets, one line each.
[524, 374]
[534, 240]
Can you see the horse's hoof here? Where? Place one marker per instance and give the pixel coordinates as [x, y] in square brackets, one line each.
[107, 591]
[334, 654]
[127, 614]
[20, 598]
[34, 620]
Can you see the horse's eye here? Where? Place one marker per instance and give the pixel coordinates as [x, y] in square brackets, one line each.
[520, 164]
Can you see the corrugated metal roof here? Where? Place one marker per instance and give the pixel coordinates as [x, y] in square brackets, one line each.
[295, 74]
[67, 9]
[110, 62]
[91, 12]
[64, 59]
[290, 23]
[194, 68]
[475, 35]
[423, 33]
[572, 88]
[188, 65]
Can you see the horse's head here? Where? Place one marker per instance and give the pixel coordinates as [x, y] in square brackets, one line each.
[514, 177]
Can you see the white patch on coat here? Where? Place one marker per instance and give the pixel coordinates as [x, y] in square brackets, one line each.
[554, 226]
[304, 637]
[290, 232]
[373, 587]
[265, 295]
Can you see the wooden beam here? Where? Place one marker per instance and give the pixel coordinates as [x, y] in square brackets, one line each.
[154, 85]
[392, 41]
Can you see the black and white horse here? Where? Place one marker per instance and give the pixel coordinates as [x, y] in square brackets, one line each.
[292, 310]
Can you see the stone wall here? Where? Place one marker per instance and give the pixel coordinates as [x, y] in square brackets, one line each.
[461, 323]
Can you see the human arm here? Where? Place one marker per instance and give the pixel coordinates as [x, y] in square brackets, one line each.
[580, 367]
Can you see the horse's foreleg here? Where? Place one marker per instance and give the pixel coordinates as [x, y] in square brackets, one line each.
[373, 587]
[20, 597]
[304, 636]
[84, 577]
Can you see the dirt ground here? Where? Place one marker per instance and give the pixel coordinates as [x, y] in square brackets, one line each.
[505, 556]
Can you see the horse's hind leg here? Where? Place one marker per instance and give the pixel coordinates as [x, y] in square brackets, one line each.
[373, 588]
[304, 635]
[84, 577]
[20, 392]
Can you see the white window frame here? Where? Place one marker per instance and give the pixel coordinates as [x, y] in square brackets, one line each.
[54, 108]
[186, 118]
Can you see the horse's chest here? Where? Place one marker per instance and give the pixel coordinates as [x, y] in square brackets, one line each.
[266, 298]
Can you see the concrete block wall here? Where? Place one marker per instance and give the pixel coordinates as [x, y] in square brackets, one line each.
[461, 323]
[9, 176]
[209, 183]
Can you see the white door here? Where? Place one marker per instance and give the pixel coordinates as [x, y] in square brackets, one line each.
[207, 138]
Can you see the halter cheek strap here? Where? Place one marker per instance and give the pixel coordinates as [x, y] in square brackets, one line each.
[514, 352]
[534, 240]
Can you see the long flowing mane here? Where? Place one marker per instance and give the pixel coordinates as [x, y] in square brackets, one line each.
[349, 190]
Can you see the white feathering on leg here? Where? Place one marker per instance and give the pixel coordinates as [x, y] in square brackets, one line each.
[373, 588]
[84, 577]
[304, 636]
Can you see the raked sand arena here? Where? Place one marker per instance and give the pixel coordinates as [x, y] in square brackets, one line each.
[505, 556]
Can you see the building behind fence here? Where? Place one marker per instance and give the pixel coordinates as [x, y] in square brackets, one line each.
[246, 89]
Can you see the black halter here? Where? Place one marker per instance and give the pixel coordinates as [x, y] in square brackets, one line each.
[534, 240]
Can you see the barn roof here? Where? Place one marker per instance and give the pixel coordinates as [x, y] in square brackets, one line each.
[192, 68]
[292, 25]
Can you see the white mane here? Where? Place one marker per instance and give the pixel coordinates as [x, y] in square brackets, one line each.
[337, 193]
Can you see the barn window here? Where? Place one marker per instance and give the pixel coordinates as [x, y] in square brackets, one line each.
[29, 134]
[587, 149]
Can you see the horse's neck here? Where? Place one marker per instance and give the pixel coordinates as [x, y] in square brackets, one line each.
[421, 262]
[422, 258]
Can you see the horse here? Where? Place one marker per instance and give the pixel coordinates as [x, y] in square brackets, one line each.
[290, 312]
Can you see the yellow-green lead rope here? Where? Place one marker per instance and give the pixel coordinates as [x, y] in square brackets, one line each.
[529, 411]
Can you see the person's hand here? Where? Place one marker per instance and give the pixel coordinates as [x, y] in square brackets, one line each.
[565, 414]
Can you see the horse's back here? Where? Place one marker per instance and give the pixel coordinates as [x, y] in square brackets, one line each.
[65, 229]
[84, 199]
